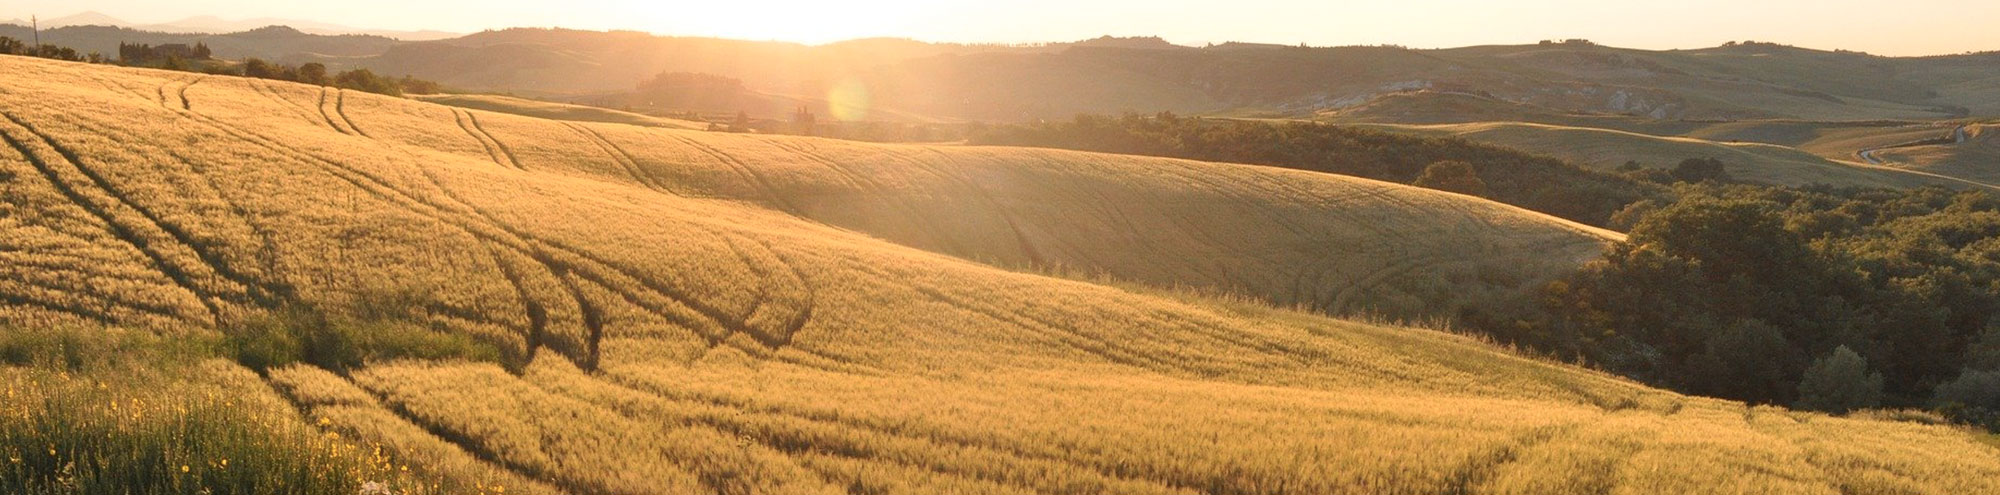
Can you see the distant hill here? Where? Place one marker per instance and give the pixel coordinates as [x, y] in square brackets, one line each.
[209, 24]
[1745, 81]
[911, 80]
[270, 42]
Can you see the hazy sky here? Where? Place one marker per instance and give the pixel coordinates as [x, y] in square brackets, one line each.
[1909, 27]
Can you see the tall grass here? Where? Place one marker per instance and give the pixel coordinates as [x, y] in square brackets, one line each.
[146, 420]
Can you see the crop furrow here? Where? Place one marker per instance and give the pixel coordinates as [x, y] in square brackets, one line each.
[122, 231]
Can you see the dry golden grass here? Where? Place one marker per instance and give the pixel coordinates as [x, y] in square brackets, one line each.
[745, 314]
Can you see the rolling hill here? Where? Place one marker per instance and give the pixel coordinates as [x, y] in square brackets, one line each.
[1971, 151]
[680, 311]
[1606, 149]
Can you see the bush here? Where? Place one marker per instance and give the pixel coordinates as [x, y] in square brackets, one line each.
[1452, 175]
[1973, 388]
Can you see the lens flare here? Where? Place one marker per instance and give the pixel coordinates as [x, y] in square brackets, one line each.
[848, 101]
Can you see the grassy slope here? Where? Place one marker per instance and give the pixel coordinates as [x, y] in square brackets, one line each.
[1606, 149]
[691, 333]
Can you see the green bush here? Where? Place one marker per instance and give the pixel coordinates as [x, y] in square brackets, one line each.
[1839, 383]
[340, 343]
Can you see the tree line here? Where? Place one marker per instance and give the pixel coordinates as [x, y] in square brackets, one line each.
[1821, 298]
[197, 58]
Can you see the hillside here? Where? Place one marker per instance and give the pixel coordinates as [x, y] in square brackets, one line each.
[680, 312]
[1971, 151]
[1605, 149]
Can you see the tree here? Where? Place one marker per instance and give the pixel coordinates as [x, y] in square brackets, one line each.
[741, 124]
[258, 68]
[1839, 383]
[1700, 170]
[1974, 388]
[1452, 175]
[313, 73]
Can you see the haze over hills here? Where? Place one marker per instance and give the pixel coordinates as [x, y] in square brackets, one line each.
[209, 24]
[1746, 81]
[676, 311]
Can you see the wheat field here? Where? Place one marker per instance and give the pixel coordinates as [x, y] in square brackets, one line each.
[690, 312]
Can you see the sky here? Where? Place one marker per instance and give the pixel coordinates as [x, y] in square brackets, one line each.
[1909, 27]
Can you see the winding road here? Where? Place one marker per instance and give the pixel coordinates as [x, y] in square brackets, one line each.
[1958, 136]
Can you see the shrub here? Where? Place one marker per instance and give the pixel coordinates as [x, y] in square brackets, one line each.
[342, 343]
[1452, 175]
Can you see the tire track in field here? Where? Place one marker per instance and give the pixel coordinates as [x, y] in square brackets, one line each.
[265, 89]
[1020, 237]
[127, 233]
[1467, 478]
[1066, 336]
[756, 179]
[610, 276]
[340, 108]
[264, 293]
[477, 449]
[869, 187]
[185, 104]
[328, 117]
[619, 156]
[479, 457]
[492, 150]
[593, 322]
[538, 315]
[473, 120]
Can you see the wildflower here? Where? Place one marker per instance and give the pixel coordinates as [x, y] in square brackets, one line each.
[374, 488]
[184, 468]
